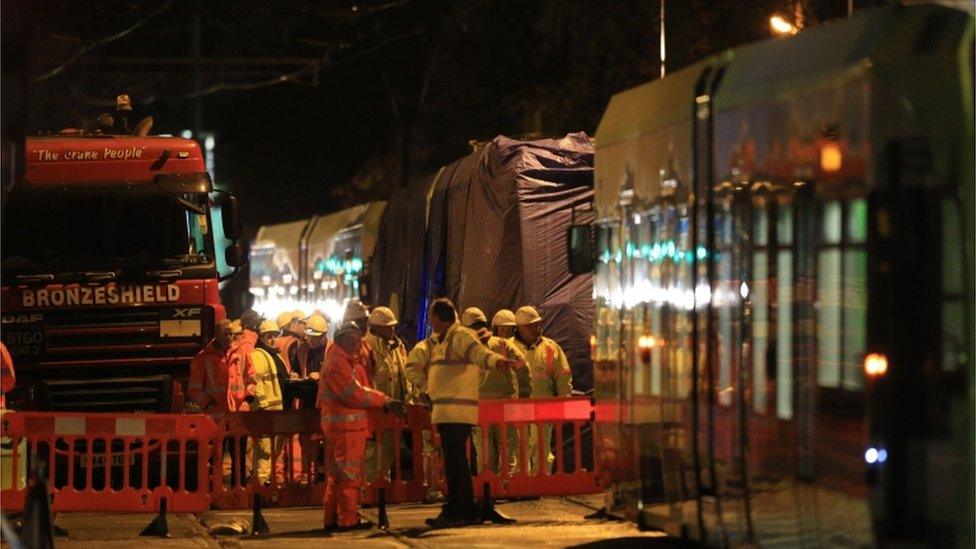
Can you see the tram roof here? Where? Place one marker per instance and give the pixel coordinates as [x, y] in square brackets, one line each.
[820, 55]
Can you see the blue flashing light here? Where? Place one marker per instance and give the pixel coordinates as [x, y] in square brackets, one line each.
[882, 455]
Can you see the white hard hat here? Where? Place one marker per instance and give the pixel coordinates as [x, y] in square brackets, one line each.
[268, 326]
[503, 317]
[526, 315]
[355, 310]
[472, 315]
[382, 316]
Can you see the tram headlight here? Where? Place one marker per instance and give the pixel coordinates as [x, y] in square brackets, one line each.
[875, 365]
[645, 343]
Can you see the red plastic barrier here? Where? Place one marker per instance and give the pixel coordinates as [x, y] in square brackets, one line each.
[110, 462]
[129, 462]
[240, 434]
[574, 469]
[415, 468]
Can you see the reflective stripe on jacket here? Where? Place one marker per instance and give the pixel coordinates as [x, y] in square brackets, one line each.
[267, 393]
[453, 376]
[344, 392]
[220, 377]
[549, 368]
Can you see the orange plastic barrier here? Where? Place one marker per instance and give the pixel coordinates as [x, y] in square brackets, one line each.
[130, 462]
[111, 462]
[415, 469]
[574, 468]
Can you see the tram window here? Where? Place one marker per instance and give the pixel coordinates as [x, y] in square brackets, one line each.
[855, 317]
[760, 229]
[954, 341]
[760, 329]
[829, 330]
[784, 334]
[784, 313]
[842, 294]
[725, 300]
[655, 314]
[784, 226]
[832, 222]
[857, 221]
[953, 336]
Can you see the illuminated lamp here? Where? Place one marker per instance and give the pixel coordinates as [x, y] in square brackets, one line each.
[831, 157]
[875, 365]
[781, 26]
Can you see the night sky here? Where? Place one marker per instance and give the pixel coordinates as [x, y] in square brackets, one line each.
[309, 100]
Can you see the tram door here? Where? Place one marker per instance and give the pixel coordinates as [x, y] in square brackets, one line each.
[672, 313]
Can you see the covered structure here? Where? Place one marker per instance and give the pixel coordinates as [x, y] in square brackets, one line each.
[489, 231]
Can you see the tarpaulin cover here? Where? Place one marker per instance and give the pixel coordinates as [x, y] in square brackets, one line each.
[398, 258]
[496, 238]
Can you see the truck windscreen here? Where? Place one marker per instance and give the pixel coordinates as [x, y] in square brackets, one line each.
[57, 234]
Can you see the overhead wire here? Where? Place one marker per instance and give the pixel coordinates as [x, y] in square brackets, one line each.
[101, 42]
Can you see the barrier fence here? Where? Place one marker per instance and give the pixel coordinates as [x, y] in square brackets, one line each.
[107, 462]
[133, 462]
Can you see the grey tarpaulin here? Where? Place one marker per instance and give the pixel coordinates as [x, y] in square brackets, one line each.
[495, 238]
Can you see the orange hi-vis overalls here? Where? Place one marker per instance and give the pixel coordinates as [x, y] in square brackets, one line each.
[248, 341]
[221, 378]
[7, 377]
[344, 397]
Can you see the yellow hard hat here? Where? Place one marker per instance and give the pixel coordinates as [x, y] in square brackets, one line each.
[472, 315]
[284, 319]
[267, 326]
[235, 327]
[503, 317]
[526, 315]
[298, 315]
[382, 316]
[316, 325]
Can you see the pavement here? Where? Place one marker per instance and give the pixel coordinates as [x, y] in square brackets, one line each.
[546, 522]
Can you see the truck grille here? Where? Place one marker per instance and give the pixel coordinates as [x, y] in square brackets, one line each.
[116, 394]
[113, 333]
[106, 359]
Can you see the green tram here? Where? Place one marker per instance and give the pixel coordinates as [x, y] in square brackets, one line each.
[784, 289]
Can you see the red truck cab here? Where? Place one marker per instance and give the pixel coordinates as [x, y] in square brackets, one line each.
[110, 271]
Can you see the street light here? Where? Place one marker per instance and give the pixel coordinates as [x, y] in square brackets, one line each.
[781, 26]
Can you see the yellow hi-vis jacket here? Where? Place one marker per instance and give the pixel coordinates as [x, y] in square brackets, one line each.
[551, 376]
[515, 383]
[449, 371]
[267, 393]
[389, 362]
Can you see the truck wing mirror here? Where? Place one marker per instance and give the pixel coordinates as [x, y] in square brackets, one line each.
[231, 217]
[235, 256]
[579, 252]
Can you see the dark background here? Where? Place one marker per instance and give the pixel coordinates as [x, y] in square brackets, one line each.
[310, 100]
